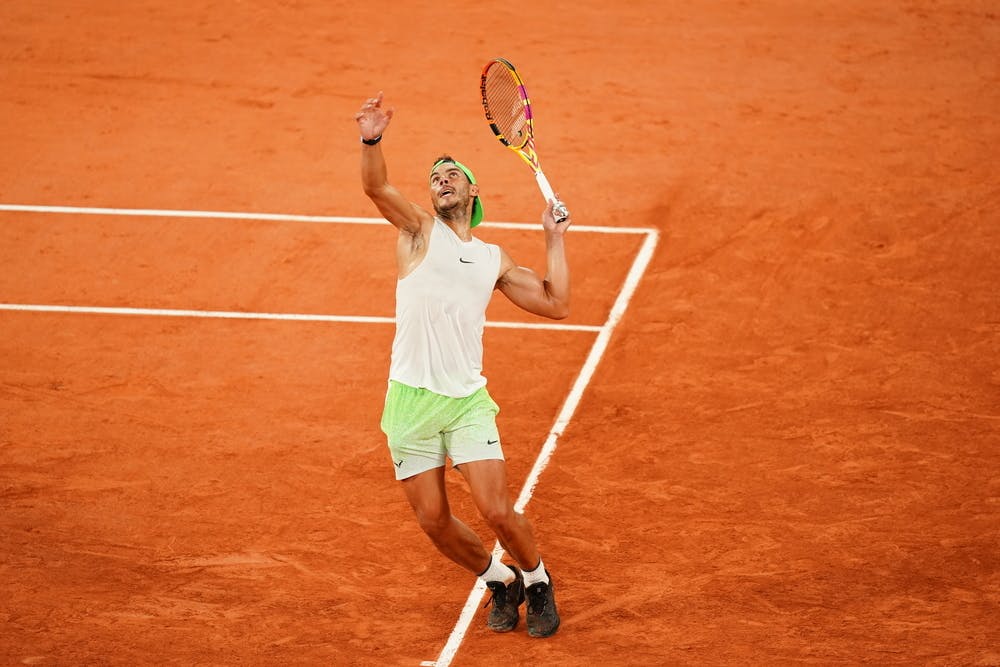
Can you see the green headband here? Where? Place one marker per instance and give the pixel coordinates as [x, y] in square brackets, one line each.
[477, 206]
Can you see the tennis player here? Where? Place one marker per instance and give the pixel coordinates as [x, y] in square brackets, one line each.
[437, 406]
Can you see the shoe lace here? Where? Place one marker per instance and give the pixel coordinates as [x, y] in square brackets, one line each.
[537, 598]
[498, 594]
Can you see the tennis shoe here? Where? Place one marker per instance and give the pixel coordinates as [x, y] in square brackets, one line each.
[506, 599]
[542, 617]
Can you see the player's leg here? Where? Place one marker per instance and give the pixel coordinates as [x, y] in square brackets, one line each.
[487, 481]
[429, 500]
[488, 485]
[504, 581]
[473, 443]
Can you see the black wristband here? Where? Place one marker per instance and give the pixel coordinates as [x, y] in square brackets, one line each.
[371, 142]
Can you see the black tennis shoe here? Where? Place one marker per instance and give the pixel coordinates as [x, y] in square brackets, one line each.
[506, 599]
[542, 617]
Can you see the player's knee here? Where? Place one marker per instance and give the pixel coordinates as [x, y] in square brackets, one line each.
[501, 518]
[434, 522]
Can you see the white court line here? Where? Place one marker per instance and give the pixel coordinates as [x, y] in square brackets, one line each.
[282, 217]
[240, 315]
[597, 350]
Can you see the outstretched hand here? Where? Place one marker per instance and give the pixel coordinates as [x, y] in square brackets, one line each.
[372, 118]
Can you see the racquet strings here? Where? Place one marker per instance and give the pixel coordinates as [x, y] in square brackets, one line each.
[503, 99]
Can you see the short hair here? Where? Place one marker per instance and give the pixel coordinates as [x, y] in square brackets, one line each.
[450, 159]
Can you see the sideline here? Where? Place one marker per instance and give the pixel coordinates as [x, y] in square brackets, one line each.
[639, 265]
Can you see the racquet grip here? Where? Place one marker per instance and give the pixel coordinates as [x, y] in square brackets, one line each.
[559, 211]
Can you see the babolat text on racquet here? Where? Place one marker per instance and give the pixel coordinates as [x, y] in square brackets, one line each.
[508, 111]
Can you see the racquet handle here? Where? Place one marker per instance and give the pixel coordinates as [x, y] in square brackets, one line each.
[559, 210]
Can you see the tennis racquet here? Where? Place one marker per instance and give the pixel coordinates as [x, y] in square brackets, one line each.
[508, 111]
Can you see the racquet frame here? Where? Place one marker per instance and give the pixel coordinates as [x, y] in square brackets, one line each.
[524, 146]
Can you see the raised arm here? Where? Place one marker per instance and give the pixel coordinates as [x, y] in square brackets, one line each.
[373, 120]
[548, 297]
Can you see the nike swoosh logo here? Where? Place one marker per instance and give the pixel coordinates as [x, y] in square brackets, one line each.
[492, 442]
[466, 261]
[400, 463]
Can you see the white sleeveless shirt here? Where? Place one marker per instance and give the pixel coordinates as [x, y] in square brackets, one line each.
[440, 314]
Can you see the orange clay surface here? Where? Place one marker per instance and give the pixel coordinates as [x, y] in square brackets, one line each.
[789, 454]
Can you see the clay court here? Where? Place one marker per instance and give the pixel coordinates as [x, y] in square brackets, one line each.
[769, 433]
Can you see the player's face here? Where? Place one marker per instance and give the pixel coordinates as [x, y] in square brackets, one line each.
[450, 188]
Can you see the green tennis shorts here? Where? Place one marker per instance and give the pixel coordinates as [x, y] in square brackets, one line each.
[423, 428]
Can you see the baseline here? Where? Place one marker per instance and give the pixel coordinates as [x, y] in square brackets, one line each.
[281, 217]
[241, 315]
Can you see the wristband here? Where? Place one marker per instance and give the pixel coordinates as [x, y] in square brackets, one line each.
[371, 142]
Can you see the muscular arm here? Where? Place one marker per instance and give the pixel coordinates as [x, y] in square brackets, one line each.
[407, 217]
[548, 297]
